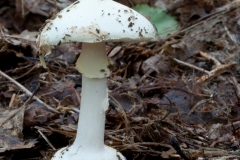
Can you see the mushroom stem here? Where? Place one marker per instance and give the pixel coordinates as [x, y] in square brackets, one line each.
[92, 63]
[94, 102]
[89, 143]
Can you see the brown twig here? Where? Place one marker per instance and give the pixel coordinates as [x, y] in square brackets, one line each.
[191, 66]
[27, 92]
[46, 139]
[212, 74]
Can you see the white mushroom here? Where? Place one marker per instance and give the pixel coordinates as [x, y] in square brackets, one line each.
[93, 22]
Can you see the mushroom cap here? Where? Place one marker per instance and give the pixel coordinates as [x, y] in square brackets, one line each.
[95, 21]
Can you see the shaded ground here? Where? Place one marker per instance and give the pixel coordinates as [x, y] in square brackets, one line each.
[176, 98]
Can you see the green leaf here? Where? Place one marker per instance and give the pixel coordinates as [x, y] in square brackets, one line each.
[164, 23]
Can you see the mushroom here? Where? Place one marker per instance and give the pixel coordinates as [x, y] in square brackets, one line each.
[92, 22]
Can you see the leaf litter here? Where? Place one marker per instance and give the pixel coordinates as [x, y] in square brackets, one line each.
[175, 98]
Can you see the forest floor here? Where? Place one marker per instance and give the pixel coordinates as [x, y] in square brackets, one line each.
[175, 98]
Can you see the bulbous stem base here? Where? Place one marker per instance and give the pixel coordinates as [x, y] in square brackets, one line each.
[73, 153]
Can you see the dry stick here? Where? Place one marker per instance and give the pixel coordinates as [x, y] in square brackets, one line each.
[30, 70]
[27, 91]
[67, 133]
[204, 101]
[205, 55]
[12, 100]
[230, 36]
[24, 106]
[213, 73]
[191, 66]
[44, 137]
